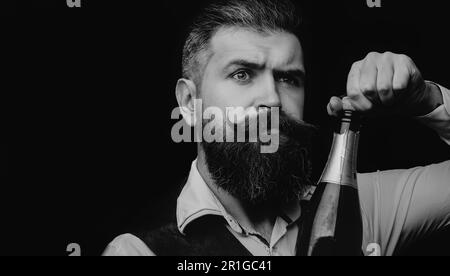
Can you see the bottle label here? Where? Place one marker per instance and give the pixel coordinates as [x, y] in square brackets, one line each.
[341, 166]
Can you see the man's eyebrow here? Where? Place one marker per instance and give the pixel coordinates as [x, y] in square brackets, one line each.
[297, 73]
[245, 63]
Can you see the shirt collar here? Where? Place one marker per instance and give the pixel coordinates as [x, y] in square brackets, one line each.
[197, 200]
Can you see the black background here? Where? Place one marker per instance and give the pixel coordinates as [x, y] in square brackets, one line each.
[3, 159]
[87, 118]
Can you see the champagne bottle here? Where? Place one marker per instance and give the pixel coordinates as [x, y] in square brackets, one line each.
[335, 212]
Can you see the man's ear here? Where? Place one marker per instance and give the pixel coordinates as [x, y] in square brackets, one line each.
[186, 92]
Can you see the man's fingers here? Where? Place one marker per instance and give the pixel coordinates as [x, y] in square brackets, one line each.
[368, 79]
[378, 80]
[384, 83]
[334, 106]
[353, 79]
[357, 103]
[361, 77]
[401, 75]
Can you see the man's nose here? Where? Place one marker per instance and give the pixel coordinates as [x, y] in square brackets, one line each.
[268, 95]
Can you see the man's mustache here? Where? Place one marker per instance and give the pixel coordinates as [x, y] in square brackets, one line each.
[287, 125]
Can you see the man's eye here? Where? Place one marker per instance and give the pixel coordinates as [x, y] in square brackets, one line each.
[288, 80]
[241, 76]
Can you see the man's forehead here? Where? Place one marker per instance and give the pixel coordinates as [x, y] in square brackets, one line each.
[272, 48]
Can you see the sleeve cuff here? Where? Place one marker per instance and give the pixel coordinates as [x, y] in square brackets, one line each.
[439, 119]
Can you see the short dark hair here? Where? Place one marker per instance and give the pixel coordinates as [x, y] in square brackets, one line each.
[259, 15]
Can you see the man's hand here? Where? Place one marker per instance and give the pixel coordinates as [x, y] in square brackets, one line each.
[387, 82]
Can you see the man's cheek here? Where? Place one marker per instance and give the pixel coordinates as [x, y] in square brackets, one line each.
[229, 94]
[213, 130]
[293, 104]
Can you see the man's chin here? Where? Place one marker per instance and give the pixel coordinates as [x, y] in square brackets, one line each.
[257, 179]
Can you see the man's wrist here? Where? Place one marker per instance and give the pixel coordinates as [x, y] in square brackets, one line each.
[431, 99]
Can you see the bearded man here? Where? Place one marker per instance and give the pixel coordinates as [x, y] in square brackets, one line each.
[241, 201]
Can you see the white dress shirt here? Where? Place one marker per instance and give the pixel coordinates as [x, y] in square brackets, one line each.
[397, 206]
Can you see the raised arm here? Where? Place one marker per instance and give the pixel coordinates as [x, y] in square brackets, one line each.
[400, 207]
[392, 83]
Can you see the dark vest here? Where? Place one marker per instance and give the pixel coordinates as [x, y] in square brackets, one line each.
[206, 236]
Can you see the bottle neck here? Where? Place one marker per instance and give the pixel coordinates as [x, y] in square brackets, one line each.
[342, 161]
[350, 121]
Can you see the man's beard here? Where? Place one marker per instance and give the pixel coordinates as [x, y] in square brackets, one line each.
[264, 179]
